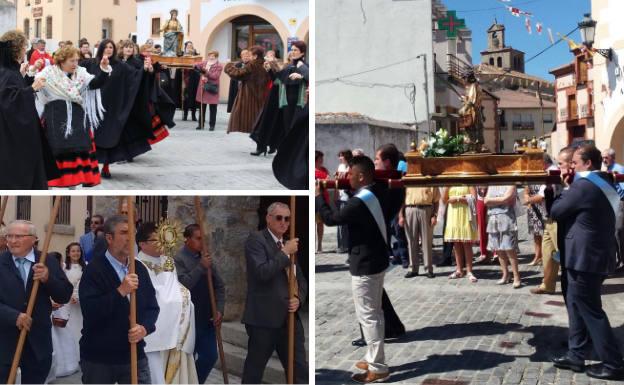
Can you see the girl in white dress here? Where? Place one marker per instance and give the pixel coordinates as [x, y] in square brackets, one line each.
[66, 338]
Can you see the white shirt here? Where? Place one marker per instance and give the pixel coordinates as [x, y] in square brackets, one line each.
[275, 238]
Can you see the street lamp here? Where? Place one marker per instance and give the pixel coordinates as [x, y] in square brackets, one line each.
[587, 26]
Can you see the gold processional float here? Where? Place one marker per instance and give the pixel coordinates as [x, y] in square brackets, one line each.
[444, 160]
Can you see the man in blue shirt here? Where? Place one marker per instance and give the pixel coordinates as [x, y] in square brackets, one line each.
[88, 240]
[608, 159]
[20, 266]
[105, 289]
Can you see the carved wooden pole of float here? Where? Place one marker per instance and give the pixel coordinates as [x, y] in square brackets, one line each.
[292, 285]
[33, 293]
[5, 200]
[199, 212]
[134, 371]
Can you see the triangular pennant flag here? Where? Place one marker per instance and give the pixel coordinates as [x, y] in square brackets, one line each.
[550, 36]
[538, 28]
[527, 24]
[514, 11]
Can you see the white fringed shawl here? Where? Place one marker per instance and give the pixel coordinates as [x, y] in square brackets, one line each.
[59, 86]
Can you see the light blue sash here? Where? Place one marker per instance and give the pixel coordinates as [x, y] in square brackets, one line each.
[607, 188]
[371, 201]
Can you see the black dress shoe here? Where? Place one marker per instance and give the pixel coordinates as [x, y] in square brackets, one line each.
[564, 362]
[411, 274]
[358, 342]
[430, 274]
[405, 264]
[272, 150]
[604, 373]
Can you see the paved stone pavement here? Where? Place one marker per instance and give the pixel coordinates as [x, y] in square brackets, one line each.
[215, 377]
[457, 332]
[197, 160]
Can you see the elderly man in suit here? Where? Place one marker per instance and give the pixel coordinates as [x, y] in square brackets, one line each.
[268, 303]
[87, 241]
[20, 266]
[366, 215]
[586, 214]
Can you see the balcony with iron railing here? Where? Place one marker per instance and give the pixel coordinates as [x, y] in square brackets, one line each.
[456, 68]
[517, 125]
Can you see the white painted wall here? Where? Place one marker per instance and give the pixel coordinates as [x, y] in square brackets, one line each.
[147, 9]
[352, 40]
[7, 17]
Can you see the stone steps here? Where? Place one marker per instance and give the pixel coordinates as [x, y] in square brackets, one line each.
[235, 338]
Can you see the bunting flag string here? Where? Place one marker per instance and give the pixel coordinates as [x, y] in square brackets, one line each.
[517, 12]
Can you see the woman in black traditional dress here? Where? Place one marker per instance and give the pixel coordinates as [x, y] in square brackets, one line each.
[191, 80]
[73, 107]
[25, 159]
[117, 141]
[286, 98]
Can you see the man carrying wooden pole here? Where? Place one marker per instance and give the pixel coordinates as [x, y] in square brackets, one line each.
[199, 212]
[271, 299]
[112, 329]
[27, 276]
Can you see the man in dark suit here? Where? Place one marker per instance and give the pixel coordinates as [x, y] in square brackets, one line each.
[366, 215]
[268, 303]
[19, 268]
[104, 291]
[87, 241]
[192, 267]
[586, 216]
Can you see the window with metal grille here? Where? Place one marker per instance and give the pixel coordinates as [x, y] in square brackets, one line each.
[49, 27]
[151, 208]
[23, 208]
[64, 214]
[156, 26]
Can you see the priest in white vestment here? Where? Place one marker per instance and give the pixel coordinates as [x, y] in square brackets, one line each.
[170, 348]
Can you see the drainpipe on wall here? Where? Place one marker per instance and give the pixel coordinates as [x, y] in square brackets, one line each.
[79, 22]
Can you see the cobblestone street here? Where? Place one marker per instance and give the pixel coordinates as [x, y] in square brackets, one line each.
[458, 332]
[197, 160]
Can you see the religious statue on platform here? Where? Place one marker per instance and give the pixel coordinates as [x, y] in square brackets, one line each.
[173, 36]
[471, 113]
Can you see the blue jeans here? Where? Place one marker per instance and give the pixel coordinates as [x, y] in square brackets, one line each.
[205, 350]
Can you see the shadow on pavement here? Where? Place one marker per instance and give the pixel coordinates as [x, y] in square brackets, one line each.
[331, 268]
[453, 331]
[465, 360]
[332, 376]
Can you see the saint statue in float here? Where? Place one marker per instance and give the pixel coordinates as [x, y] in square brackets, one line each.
[173, 36]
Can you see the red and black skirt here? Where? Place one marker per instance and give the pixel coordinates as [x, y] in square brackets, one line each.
[74, 153]
[80, 168]
[159, 130]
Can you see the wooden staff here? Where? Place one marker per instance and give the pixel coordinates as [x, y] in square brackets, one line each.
[134, 373]
[5, 200]
[199, 212]
[120, 205]
[35, 288]
[292, 281]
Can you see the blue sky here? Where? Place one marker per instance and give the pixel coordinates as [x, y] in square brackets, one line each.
[560, 15]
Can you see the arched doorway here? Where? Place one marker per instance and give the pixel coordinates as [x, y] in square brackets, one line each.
[254, 23]
[250, 30]
[617, 140]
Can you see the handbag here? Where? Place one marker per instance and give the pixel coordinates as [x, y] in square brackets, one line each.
[211, 88]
